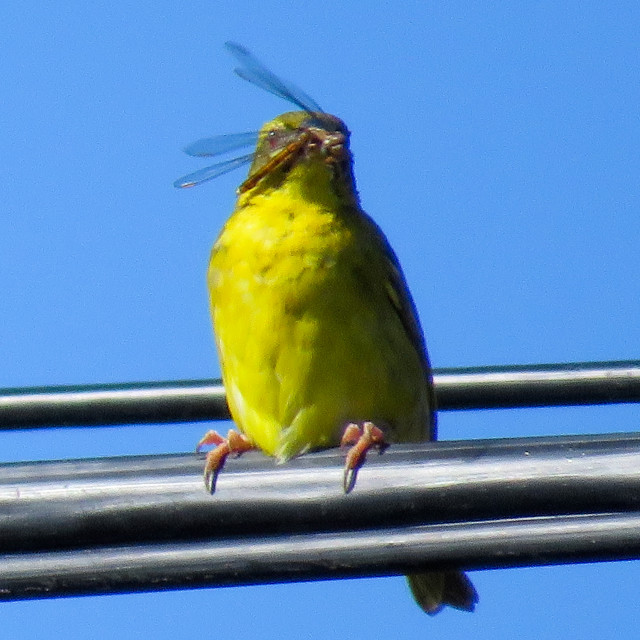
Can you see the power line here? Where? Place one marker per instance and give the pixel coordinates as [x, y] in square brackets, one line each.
[523, 542]
[198, 400]
[146, 523]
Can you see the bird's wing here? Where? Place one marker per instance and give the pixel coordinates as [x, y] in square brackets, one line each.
[402, 302]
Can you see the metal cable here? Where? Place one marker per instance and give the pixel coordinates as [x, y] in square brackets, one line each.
[146, 523]
[195, 400]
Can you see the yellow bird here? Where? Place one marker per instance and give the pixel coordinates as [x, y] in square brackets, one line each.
[318, 336]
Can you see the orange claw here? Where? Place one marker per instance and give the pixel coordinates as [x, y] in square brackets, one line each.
[361, 439]
[235, 443]
[211, 437]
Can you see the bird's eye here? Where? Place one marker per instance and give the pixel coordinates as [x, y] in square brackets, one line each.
[273, 138]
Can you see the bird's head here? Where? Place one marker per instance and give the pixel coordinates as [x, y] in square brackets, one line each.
[299, 145]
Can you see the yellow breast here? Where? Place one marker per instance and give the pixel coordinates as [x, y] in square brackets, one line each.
[307, 335]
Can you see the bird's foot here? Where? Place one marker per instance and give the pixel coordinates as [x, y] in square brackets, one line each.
[360, 439]
[235, 444]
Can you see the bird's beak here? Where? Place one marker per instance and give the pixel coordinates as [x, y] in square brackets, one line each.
[332, 144]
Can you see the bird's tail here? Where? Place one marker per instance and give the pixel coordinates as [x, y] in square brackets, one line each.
[433, 591]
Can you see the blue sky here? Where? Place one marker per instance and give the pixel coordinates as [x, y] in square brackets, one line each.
[495, 143]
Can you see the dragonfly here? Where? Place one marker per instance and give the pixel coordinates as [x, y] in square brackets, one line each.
[253, 71]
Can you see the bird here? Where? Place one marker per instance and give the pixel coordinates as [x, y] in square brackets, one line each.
[318, 337]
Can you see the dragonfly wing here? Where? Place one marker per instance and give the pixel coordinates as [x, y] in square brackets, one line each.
[217, 145]
[209, 173]
[254, 71]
